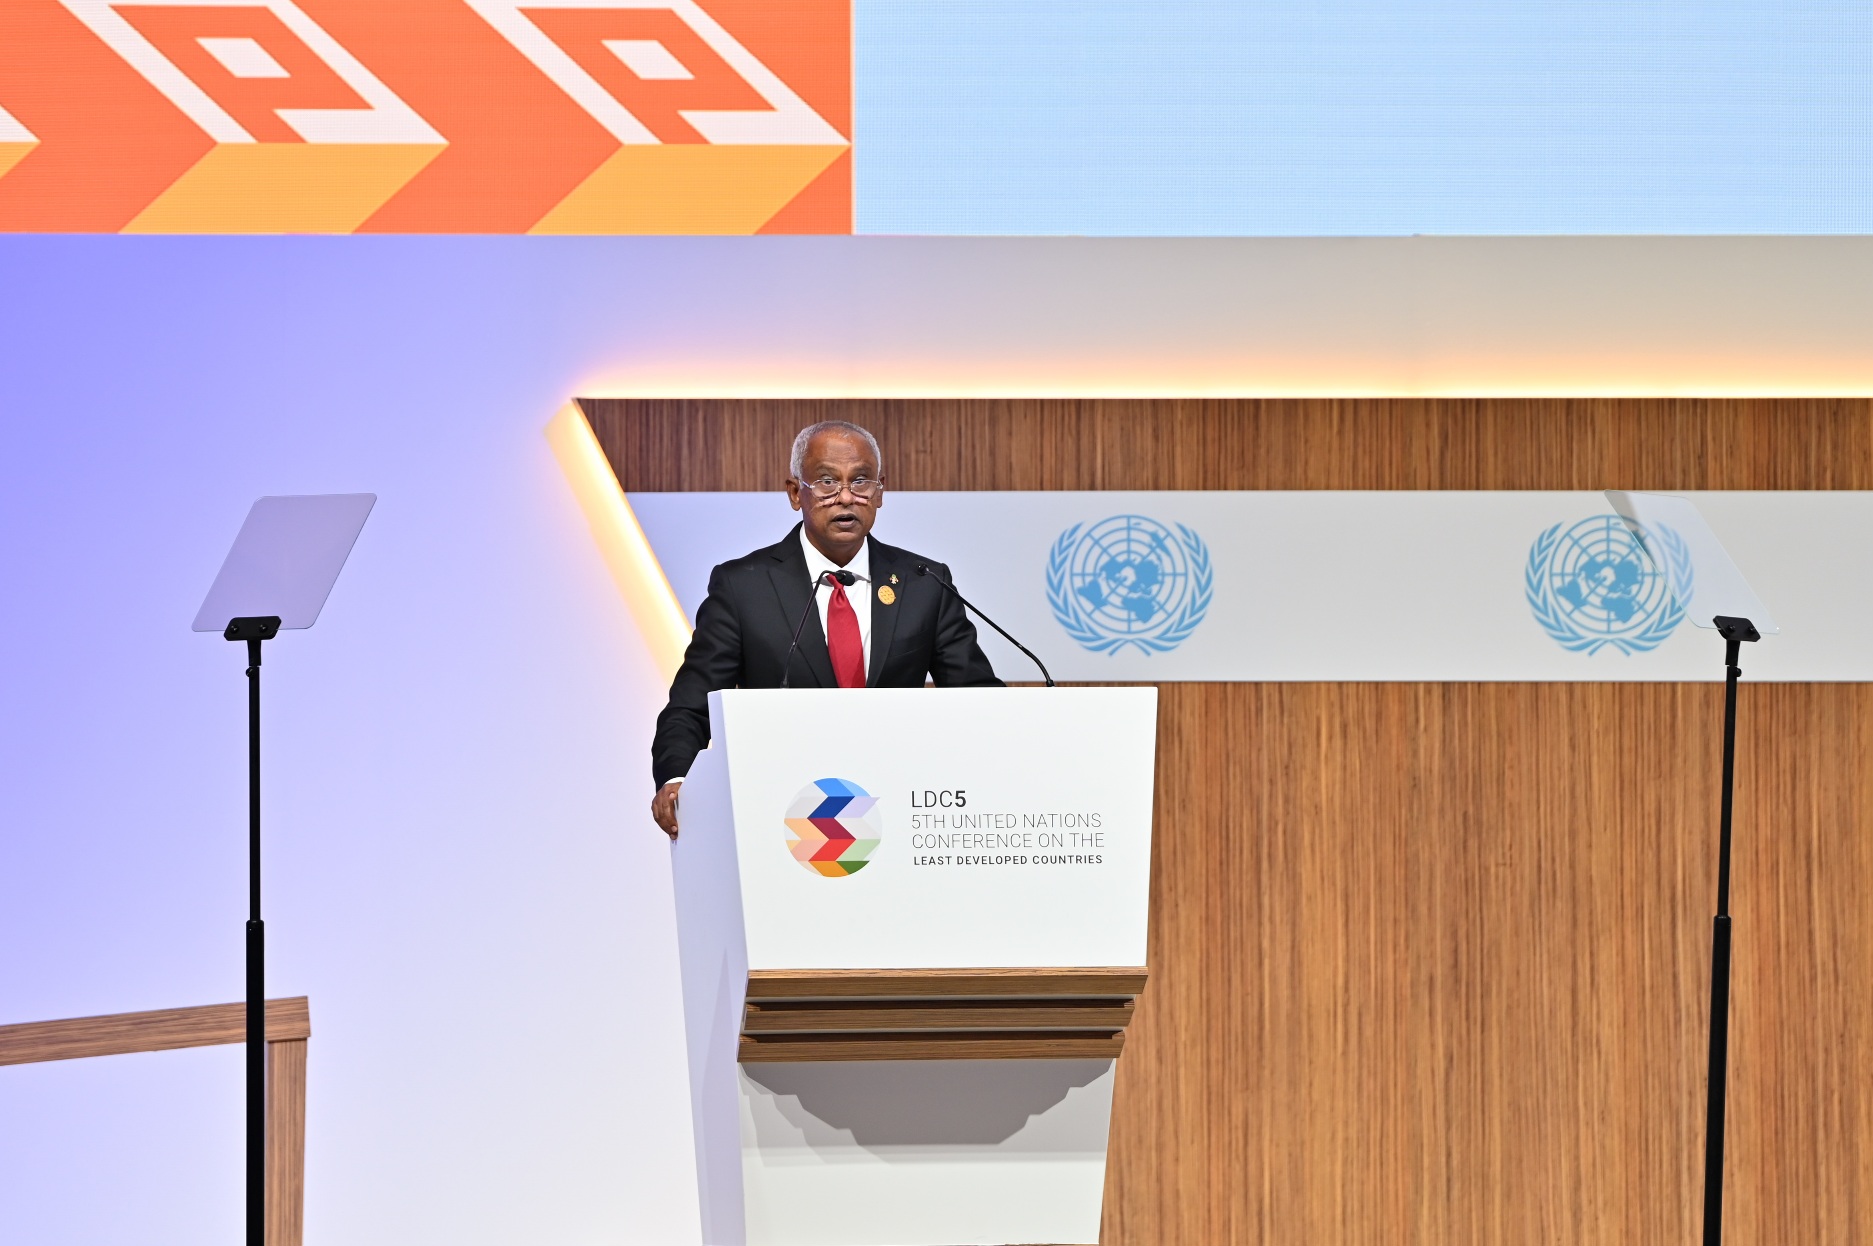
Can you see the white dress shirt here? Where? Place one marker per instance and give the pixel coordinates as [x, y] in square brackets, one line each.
[817, 565]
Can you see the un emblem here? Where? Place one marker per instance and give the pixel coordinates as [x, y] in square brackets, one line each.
[1129, 580]
[1592, 585]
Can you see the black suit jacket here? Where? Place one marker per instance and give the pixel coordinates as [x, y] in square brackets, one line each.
[745, 624]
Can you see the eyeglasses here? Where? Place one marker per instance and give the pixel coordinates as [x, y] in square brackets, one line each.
[827, 488]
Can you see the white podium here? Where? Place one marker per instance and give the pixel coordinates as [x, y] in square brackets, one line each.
[912, 926]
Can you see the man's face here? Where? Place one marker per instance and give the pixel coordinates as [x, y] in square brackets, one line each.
[836, 525]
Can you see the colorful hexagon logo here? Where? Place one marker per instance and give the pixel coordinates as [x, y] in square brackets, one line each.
[834, 825]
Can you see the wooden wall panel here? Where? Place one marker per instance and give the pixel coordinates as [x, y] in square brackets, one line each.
[1430, 961]
[1430, 965]
[682, 444]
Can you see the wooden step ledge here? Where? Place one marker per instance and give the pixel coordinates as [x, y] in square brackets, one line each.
[1118, 982]
[987, 1045]
[908, 1016]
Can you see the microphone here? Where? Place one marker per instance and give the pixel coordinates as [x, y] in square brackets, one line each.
[923, 568]
[844, 577]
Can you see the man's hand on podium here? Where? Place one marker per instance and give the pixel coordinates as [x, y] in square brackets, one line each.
[663, 807]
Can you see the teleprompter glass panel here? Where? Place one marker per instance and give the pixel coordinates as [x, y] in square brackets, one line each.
[1701, 573]
[285, 559]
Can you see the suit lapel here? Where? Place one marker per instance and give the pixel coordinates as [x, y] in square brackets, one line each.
[812, 664]
[883, 617]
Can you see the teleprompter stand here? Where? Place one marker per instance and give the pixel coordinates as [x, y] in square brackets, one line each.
[278, 574]
[1712, 591]
[254, 631]
[1736, 633]
[1708, 584]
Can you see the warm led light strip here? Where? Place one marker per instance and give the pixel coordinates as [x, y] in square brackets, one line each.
[621, 540]
[1849, 387]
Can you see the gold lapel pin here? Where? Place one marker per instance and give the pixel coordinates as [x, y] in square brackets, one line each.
[886, 594]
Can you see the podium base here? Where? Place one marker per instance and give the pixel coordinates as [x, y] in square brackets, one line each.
[908, 1152]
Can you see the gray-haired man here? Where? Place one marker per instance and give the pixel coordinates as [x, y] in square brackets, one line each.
[878, 623]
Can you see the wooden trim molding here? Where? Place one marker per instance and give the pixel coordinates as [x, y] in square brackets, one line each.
[289, 1025]
[848, 1016]
[167, 1029]
[938, 1014]
[286, 1141]
[1061, 1045]
[1123, 982]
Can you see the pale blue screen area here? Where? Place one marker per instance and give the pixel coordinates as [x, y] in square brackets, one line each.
[1227, 117]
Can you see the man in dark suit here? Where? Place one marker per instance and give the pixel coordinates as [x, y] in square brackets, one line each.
[878, 624]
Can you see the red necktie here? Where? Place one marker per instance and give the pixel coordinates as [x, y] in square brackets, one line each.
[842, 640]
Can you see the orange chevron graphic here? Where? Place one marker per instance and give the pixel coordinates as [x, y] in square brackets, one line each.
[425, 116]
[515, 149]
[109, 142]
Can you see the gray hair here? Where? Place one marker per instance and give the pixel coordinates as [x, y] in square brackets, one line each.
[797, 463]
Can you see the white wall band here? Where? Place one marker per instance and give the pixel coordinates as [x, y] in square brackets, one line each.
[1324, 585]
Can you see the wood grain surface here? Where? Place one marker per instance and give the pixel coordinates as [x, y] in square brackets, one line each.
[165, 1029]
[1365, 443]
[1429, 963]
[909, 1016]
[938, 1014]
[1115, 982]
[1442, 976]
[286, 1142]
[1015, 1045]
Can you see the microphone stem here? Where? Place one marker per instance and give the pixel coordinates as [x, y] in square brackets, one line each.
[793, 647]
[924, 569]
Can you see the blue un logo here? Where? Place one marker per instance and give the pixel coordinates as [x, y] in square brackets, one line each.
[1592, 585]
[1129, 580]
